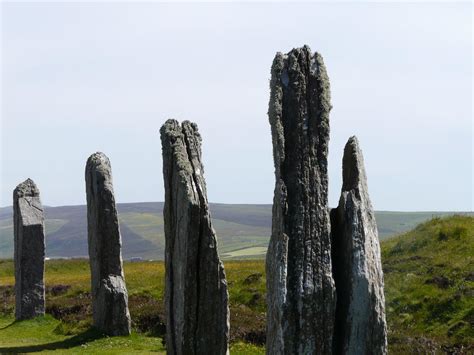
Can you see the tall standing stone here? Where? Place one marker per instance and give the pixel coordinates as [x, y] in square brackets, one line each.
[196, 298]
[300, 286]
[109, 293]
[360, 311]
[28, 226]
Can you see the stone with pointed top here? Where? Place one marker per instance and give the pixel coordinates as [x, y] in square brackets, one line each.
[360, 312]
[28, 226]
[196, 298]
[109, 292]
[300, 287]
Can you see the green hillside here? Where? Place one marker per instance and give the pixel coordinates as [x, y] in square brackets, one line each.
[429, 278]
[429, 288]
[242, 230]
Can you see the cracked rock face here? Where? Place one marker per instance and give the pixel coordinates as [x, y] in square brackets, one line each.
[109, 293]
[28, 224]
[196, 297]
[300, 286]
[360, 312]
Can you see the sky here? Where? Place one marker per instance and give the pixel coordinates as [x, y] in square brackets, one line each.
[93, 76]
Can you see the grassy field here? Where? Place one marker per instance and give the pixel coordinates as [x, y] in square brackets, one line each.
[429, 286]
[66, 328]
[429, 278]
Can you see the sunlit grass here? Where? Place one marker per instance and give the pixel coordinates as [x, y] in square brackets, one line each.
[429, 278]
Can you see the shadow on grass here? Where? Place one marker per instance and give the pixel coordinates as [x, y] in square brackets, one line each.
[77, 340]
[7, 326]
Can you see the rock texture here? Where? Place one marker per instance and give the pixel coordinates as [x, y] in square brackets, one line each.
[360, 312]
[28, 225]
[109, 293]
[300, 286]
[196, 289]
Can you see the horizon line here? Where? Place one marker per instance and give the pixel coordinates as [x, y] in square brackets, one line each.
[256, 204]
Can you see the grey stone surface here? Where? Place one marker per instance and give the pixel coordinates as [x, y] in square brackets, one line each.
[196, 297]
[28, 225]
[360, 312]
[109, 293]
[300, 287]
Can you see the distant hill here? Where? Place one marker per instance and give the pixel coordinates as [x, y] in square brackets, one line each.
[242, 230]
[429, 279]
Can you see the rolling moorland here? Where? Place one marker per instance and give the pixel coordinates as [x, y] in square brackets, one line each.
[243, 231]
[429, 288]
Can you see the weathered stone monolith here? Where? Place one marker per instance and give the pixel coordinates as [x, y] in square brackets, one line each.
[109, 293]
[300, 286]
[28, 226]
[196, 298]
[360, 311]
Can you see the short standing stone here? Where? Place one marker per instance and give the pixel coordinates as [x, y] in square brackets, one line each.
[300, 286]
[28, 225]
[360, 312]
[196, 297]
[109, 293]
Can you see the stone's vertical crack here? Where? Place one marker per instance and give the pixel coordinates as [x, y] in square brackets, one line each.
[109, 293]
[29, 251]
[360, 312]
[199, 303]
[202, 204]
[300, 311]
[173, 224]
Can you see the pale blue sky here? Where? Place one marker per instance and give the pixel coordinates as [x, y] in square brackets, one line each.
[85, 77]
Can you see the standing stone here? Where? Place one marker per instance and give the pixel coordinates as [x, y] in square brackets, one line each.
[360, 311]
[300, 286]
[196, 298]
[28, 225]
[109, 293]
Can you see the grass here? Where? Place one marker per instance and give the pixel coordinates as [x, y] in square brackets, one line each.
[393, 223]
[429, 288]
[68, 299]
[429, 277]
[44, 334]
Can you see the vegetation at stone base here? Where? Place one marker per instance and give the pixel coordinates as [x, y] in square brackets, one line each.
[45, 334]
[429, 287]
[68, 301]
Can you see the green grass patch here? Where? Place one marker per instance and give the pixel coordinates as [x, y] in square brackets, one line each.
[429, 278]
[69, 301]
[43, 334]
